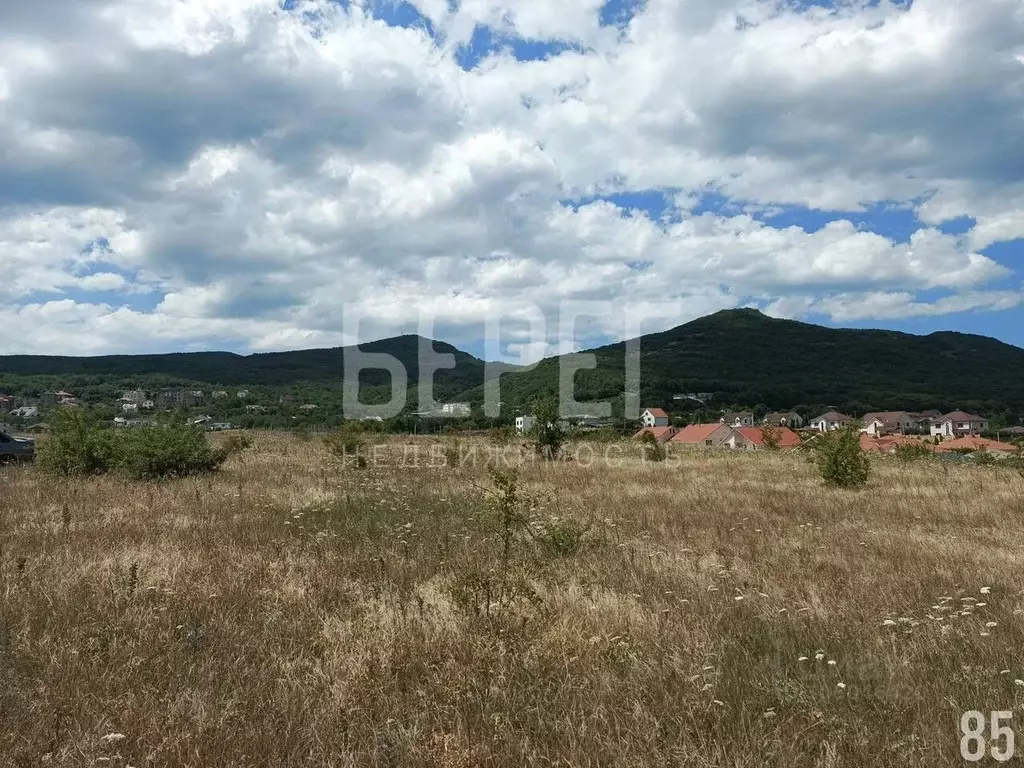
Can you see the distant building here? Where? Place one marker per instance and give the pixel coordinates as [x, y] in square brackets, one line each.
[26, 412]
[456, 409]
[524, 423]
[831, 421]
[220, 394]
[958, 424]
[890, 422]
[738, 419]
[702, 436]
[135, 396]
[6, 403]
[661, 434]
[242, 394]
[790, 419]
[654, 417]
[180, 398]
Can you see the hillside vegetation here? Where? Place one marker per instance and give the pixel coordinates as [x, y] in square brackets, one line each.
[741, 355]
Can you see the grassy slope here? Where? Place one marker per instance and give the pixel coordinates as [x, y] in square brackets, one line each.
[287, 613]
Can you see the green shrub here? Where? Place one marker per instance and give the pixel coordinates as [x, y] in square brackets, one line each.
[548, 433]
[77, 446]
[172, 448]
[840, 459]
[560, 537]
[348, 442]
[652, 449]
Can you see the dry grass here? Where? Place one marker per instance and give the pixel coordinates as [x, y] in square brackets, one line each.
[287, 613]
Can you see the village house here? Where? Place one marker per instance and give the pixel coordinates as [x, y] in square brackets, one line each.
[661, 434]
[755, 438]
[55, 398]
[6, 403]
[790, 419]
[134, 396]
[654, 417]
[524, 423]
[831, 421]
[701, 435]
[26, 412]
[958, 424]
[890, 422]
[456, 409]
[889, 443]
[738, 419]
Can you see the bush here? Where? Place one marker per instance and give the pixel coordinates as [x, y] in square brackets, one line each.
[840, 460]
[77, 446]
[548, 432]
[560, 537]
[348, 442]
[173, 448]
[652, 449]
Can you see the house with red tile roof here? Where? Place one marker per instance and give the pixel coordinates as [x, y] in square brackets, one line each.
[661, 434]
[701, 435]
[889, 443]
[890, 422]
[654, 417]
[753, 438]
[958, 424]
[975, 443]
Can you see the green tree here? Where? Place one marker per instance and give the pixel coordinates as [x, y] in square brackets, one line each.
[548, 432]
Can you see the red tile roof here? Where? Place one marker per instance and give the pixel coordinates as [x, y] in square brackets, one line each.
[657, 412]
[889, 443]
[960, 416]
[661, 434]
[696, 433]
[787, 437]
[975, 444]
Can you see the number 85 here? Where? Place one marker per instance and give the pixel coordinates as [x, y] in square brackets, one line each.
[973, 743]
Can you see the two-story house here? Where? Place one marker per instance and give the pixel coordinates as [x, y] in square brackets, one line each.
[789, 419]
[654, 417]
[958, 424]
[738, 419]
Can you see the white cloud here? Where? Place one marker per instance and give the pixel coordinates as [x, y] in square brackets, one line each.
[256, 170]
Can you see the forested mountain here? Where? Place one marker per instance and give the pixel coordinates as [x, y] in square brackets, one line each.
[743, 356]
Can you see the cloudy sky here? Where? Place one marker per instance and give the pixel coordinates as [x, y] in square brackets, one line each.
[247, 174]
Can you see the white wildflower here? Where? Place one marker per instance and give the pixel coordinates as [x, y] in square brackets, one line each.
[1019, 682]
[802, 658]
[112, 737]
[991, 624]
[832, 662]
[986, 590]
[841, 686]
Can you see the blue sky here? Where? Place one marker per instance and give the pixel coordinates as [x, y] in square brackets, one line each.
[250, 174]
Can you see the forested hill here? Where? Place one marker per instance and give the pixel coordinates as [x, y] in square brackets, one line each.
[743, 356]
[748, 358]
[310, 370]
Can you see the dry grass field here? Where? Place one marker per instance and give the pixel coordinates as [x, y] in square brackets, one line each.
[719, 610]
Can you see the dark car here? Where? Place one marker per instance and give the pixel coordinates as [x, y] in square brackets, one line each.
[16, 449]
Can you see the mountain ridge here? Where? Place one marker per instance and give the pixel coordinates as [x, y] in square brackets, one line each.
[743, 355]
